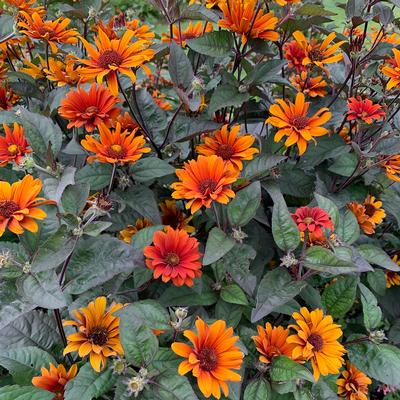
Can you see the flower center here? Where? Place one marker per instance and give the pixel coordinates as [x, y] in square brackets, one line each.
[225, 151]
[308, 220]
[12, 148]
[91, 110]
[98, 336]
[208, 359]
[115, 151]
[316, 340]
[8, 208]
[299, 121]
[369, 210]
[172, 259]
[207, 186]
[109, 57]
[45, 30]
[316, 55]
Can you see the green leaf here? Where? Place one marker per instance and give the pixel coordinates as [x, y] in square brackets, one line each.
[375, 255]
[262, 165]
[218, 244]
[377, 281]
[24, 393]
[329, 206]
[6, 26]
[97, 175]
[339, 297]
[234, 294]
[348, 229]
[314, 9]
[144, 237]
[213, 44]
[284, 369]
[371, 311]
[150, 168]
[166, 359]
[257, 390]
[264, 72]
[230, 313]
[74, 198]
[96, 227]
[180, 68]
[226, 96]
[344, 165]
[54, 187]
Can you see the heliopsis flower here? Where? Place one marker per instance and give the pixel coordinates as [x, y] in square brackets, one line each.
[239, 17]
[127, 122]
[393, 71]
[381, 37]
[208, 3]
[393, 278]
[174, 256]
[311, 86]
[353, 384]
[295, 54]
[36, 71]
[312, 219]
[272, 342]
[140, 31]
[7, 98]
[316, 340]
[98, 333]
[285, 2]
[114, 56]
[229, 145]
[54, 379]
[364, 110]
[292, 121]
[50, 31]
[190, 32]
[131, 230]
[369, 214]
[392, 166]
[89, 109]
[19, 205]
[3, 70]
[27, 5]
[115, 147]
[159, 99]
[174, 217]
[203, 181]
[13, 146]
[211, 358]
[64, 73]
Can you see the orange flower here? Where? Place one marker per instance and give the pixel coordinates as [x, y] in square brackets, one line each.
[19, 205]
[3, 70]
[159, 99]
[174, 256]
[393, 72]
[364, 110]
[272, 342]
[140, 31]
[27, 6]
[239, 17]
[89, 109]
[98, 333]
[212, 357]
[115, 147]
[13, 146]
[192, 31]
[353, 384]
[54, 379]
[127, 122]
[311, 86]
[228, 145]
[295, 54]
[131, 230]
[285, 2]
[292, 121]
[393, 278]
[50, 31]
[62, 73]
[208, 3]
[392, 166]
[203, 181]
[114, 56]
[174, 217]
[7, 98]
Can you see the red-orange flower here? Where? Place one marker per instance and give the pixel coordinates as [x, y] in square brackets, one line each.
[364, 110]
[127, 122]
[311, 86]
[7, 98]
[13, 146]
[212, 357]
[393, 71]
[89, 109]
[392, 277]
[190, 32]
[174, 256]
[353, 384]
[27, 6]
[392, 167]
[295, 54]
[203, 181]
[312, 219]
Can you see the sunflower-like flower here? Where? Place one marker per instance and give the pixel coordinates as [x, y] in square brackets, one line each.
[311, 86]
[63, 73]
[7, 97]
[28, 6]
[174, 217]
[54, 379]
[369, 214]
[140, 31]
[316, 340]
[115, 147]
[312, 219]
[393, 71]
[190, 32]
[283, 3]
[13, 146]
[212, 357]
[98, 333]
[19, 205]
[353, 384]
[53, 32]
[114, 56]
[3, 70]
[131, 230]
[203, 181]
[293, 121]
[174, 256]
[127, 122]
[208, 3]
[364, 110]
[240, 17]
[159, 99]
[295, 54]
[392, 167]
[89, 109]
[392, 277]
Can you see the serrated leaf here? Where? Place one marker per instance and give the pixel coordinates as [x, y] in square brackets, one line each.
[234, 294]
[74, 198]
[329, 206]
[213, 44]
[179, 67]
[218, 244]
[348, 229]
[284, 369]
[264, 72]
[376, 255]
[339, 296]
[97, 175]
[257, 390]
[150, 168]
[24, 393]
[344, 165]
[372, 313]
[226, 96]
[262, 165]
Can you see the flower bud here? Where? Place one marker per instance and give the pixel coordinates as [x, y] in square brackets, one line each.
[181, 312]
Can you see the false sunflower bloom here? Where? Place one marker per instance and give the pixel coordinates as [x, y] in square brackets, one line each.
[29, 6]
[98, 333]
[3, 70]
[63, 73]
[19, 205]
[317, 341]
[174, 217]
[131, 230]
[312, 219]
[174, 256]
[190, 32]
[140, 31]
[295, 54]
[211, 358]
[89, 109]
[364, 110]
[13, 146]
[232, 147]
[292, 121]
[7, 98]
[310, 86]
[393, 278]
[393, 71]
[115, 147]
[353, 384]
[283, 3]
[127, 122]
[114, 56]
[54, 379]
[240, 17]
[203, 181]
[392, 167]
[159, 99]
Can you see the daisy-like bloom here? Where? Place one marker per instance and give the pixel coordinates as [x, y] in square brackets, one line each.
[392, 38]
[89, 109]
[232, 147]
[131, 230]
[212, 357]
[127, 122]
[19, 205]
[98, 333]
[292, 121]
[7, 98]
[174, 217]
[13, 146]
[53, 32]
[159, 99]
[63, 73]
[174, 256]
[3, 70]
[353, 384]
[318, 240]
[364, 110]
[239, 17]
[190, 32]
[203, 181]
[369, 214]
[115, 147]
[393, 71]
[54, 379]
[311, 86]
[140, 31]
[316, 340]
[114, 56]
[295, 54]
[272, 342]
[392, 167]
[29, 6]
[283, 3]
[312, 219]
[393, 278]
[208, 3]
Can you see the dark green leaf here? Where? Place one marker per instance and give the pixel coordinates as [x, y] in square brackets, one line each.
[218, 244]
[180, 68]
[150, 168]
[329, 206]
[284, 369]
[234, 294]
[214, 44]
[339, 297]
[74, 198]
[376, 255]
[226, 96]
[344, 165]
[257, 390]
[348, 229]
[24, 393]
[371, 311]
[97, 175]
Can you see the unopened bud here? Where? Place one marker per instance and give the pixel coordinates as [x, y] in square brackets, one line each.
[181, 312]
[377, 336]
[26, 268]
[5, 258]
